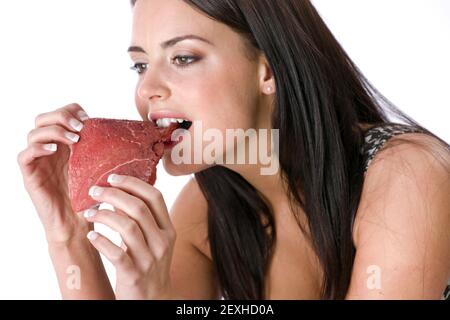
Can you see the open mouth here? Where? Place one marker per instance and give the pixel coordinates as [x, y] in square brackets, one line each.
[180, 123]
[170, 125]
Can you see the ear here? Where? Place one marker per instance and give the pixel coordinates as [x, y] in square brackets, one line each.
[266, 79]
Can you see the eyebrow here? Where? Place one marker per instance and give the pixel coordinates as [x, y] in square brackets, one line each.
[171, 42]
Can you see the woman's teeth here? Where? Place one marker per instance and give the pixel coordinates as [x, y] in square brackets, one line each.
[165, 122]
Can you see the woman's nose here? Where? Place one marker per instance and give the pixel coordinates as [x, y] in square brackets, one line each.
[152, 87]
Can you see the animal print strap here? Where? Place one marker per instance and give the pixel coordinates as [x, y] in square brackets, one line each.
[376, 137]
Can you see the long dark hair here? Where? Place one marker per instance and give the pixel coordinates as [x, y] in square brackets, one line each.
[321, 98]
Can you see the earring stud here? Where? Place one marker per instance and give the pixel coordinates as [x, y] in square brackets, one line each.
[269, 89]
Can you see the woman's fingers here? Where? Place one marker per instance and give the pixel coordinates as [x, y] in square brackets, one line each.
[70, 117]
[119, 258]
[129, 231]
[131, 206]
[77, 111]
[55, 126]
[52, 133]
[123, 246]
[149, 194]
[34, 151]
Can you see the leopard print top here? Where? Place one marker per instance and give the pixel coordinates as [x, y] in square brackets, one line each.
[375, 138]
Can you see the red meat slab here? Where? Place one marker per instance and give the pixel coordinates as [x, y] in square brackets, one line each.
[107, 146]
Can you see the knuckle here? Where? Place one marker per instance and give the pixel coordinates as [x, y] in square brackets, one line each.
[38, 118]
[53, 132]
[30, 135]
[73, 105]
[140, 207]
[56, 131]
[160, 254]
[64, 116]
[33, 149]
[132, 278]
[107, 192]
[165, 245]
[148, 263]
[119, 257]
[171, 234]
[163, 249]
[100, 215]
[155, 194]
[130, 226]
[72, 108]
[20, 157]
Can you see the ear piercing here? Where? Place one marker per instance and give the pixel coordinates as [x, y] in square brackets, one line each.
[269, 89]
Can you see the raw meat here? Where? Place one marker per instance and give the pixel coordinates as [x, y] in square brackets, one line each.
[107, 146]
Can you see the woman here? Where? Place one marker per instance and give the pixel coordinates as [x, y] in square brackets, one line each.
[359, 208]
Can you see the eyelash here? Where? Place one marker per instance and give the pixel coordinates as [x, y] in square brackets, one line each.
[139, 66]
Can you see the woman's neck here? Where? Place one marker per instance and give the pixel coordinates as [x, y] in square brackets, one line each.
[270, 186]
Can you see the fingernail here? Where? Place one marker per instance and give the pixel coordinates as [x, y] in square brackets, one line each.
[90, 213]
[95, 191]
[72, 136]
[115, 178]
[83, 115]
[75, 124]
[92, 235]
[51, 146]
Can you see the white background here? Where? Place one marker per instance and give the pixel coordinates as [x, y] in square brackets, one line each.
[57, 52]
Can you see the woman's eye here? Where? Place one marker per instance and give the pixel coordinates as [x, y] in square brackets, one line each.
[180, 61]
[184, 61]
[139, 67]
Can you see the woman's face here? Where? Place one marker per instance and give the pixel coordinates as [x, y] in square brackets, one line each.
[214, 83]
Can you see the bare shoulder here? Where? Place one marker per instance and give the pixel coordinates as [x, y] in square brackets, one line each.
[410, 155]
[189, 215]
[409, 164]
[405, 149]
[401, 226]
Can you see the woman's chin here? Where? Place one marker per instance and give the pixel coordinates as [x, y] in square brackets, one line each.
[180, 169]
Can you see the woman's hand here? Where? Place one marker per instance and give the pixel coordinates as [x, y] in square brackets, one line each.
[44, 169]
[142, 220]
